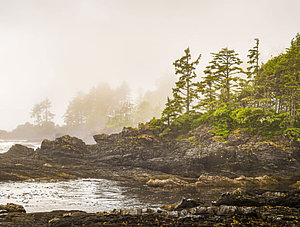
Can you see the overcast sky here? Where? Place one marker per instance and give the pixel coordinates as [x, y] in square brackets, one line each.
[55, 48]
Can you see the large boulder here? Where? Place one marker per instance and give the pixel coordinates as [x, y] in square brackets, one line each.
[64, 143]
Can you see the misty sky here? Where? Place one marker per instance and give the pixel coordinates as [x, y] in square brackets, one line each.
[55, 48]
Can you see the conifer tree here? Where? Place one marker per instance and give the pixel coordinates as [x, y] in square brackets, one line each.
[225, 66]
[207, 89]
[292, 78]
[36, 113]
[41, 112]
[253, 61]
[172, 110]
[185, 91]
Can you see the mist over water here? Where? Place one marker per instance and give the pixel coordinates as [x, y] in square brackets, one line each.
[58, 48]
[6, 144]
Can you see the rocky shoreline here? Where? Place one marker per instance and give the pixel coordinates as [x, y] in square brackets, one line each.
[141, 157]
[239, 208]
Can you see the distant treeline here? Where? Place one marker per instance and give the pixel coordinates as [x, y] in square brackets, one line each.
[102, 109]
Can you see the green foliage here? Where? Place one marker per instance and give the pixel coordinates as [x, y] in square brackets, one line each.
[223, 74]
[157, 125]
[292, 134]
[223, 121]
[253, 61]
[267, 103]
[185, 91]
[248, 118]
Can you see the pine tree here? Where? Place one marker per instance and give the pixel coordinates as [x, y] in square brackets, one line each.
[207, 88]
[47, 114]
[292, 78]
[172, 110]
[36, 113]
[224, 67]
[253, 61]
[185, 91]
[41, 112]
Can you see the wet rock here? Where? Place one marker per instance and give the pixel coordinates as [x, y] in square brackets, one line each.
[215, 181]
[186, 204]
[261, 198]
[226, 210]
[11, 207]
[205, 216]
[166, 183]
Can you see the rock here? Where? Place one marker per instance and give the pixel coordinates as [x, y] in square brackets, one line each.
[100, 138]
[261, 198]
[65, 143]
[296, 185]
[223, 215]
[53, 220]
[167, 183]
[216, 181]
[11, 207]
[226, 210]
[186, 204]
[47, 144]
[48, 165]
[20, 151]
[237, 138]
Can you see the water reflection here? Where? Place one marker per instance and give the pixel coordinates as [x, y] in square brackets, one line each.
[90, 195]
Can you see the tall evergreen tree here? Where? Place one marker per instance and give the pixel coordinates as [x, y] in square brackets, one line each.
[253, 61]
[224, 67]
[41, 112]
[185, 91]
[47, 114]
[207, 88]
[36, 113]
[292, 78]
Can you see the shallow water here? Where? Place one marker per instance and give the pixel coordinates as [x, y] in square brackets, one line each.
[6, 144]
[90, 195]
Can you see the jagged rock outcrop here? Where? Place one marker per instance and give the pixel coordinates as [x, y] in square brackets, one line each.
[65, 143]
[199, 153]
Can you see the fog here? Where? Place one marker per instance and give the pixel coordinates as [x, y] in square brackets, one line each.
[56, 49]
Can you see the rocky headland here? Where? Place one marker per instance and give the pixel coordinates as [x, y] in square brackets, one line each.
[199, 159]
[141, 156]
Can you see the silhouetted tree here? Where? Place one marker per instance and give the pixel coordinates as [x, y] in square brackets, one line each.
[41, 112]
